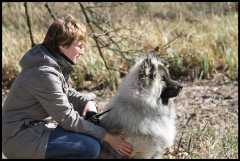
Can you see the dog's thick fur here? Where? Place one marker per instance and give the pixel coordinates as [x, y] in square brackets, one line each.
[143, 110]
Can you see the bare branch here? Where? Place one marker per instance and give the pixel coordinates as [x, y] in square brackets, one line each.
[164, 47]
[107, 32]
[50, 10]
[29, 24]
[120, 3]
[96, 40]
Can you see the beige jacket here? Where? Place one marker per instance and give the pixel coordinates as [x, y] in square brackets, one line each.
[41, 93]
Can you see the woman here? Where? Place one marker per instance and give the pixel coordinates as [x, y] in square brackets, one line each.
[41, 95]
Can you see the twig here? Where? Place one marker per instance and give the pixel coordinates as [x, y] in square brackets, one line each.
[107, 32]
[191, 116]
[50, 10]
[199, 136]
[29, 24]
[189, 144]
[101, 54]
[96, 39]
[120, 3]
[204, 128]
[165, 46]
[179, 142]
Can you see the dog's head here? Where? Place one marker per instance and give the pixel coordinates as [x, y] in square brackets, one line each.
[153, 74]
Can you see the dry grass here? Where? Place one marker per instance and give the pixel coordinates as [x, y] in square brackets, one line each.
[207, 120]
[209, 43]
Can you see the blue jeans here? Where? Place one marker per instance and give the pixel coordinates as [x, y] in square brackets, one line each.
[63, 144]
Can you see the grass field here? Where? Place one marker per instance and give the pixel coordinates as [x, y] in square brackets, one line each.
[208, 44]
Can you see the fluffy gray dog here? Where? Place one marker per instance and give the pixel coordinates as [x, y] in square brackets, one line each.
[143, 110]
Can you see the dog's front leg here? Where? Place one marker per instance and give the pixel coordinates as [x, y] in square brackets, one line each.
[157, 155]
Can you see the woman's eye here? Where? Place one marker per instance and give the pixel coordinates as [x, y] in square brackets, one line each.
[163, 78]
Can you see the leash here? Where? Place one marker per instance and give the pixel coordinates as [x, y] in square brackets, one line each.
[94, 117]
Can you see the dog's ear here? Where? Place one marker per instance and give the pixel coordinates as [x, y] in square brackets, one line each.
[147, 71]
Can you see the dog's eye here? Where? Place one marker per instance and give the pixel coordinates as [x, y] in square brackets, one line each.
[163, 78]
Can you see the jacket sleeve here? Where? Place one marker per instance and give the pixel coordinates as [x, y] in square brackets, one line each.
[79, 100]
[48, 90]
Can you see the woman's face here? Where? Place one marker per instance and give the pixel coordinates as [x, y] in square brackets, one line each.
[74, 51]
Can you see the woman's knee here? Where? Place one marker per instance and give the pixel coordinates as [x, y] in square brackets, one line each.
[72, 144]
[93, 149]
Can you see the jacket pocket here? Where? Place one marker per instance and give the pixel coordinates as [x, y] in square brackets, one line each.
[37, 129]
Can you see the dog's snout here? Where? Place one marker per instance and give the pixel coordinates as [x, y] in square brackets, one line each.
[180, 87]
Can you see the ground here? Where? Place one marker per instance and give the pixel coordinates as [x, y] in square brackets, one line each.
[207, 118]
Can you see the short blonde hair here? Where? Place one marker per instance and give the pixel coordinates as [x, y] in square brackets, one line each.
[64, 31]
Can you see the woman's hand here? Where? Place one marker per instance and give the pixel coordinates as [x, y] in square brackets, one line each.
[116, 141]
[90, 106]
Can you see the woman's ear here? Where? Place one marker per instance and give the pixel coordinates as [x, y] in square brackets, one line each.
[61, 47]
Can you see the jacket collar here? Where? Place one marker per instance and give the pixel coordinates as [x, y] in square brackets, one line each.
[64, 65]
[66, 58]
